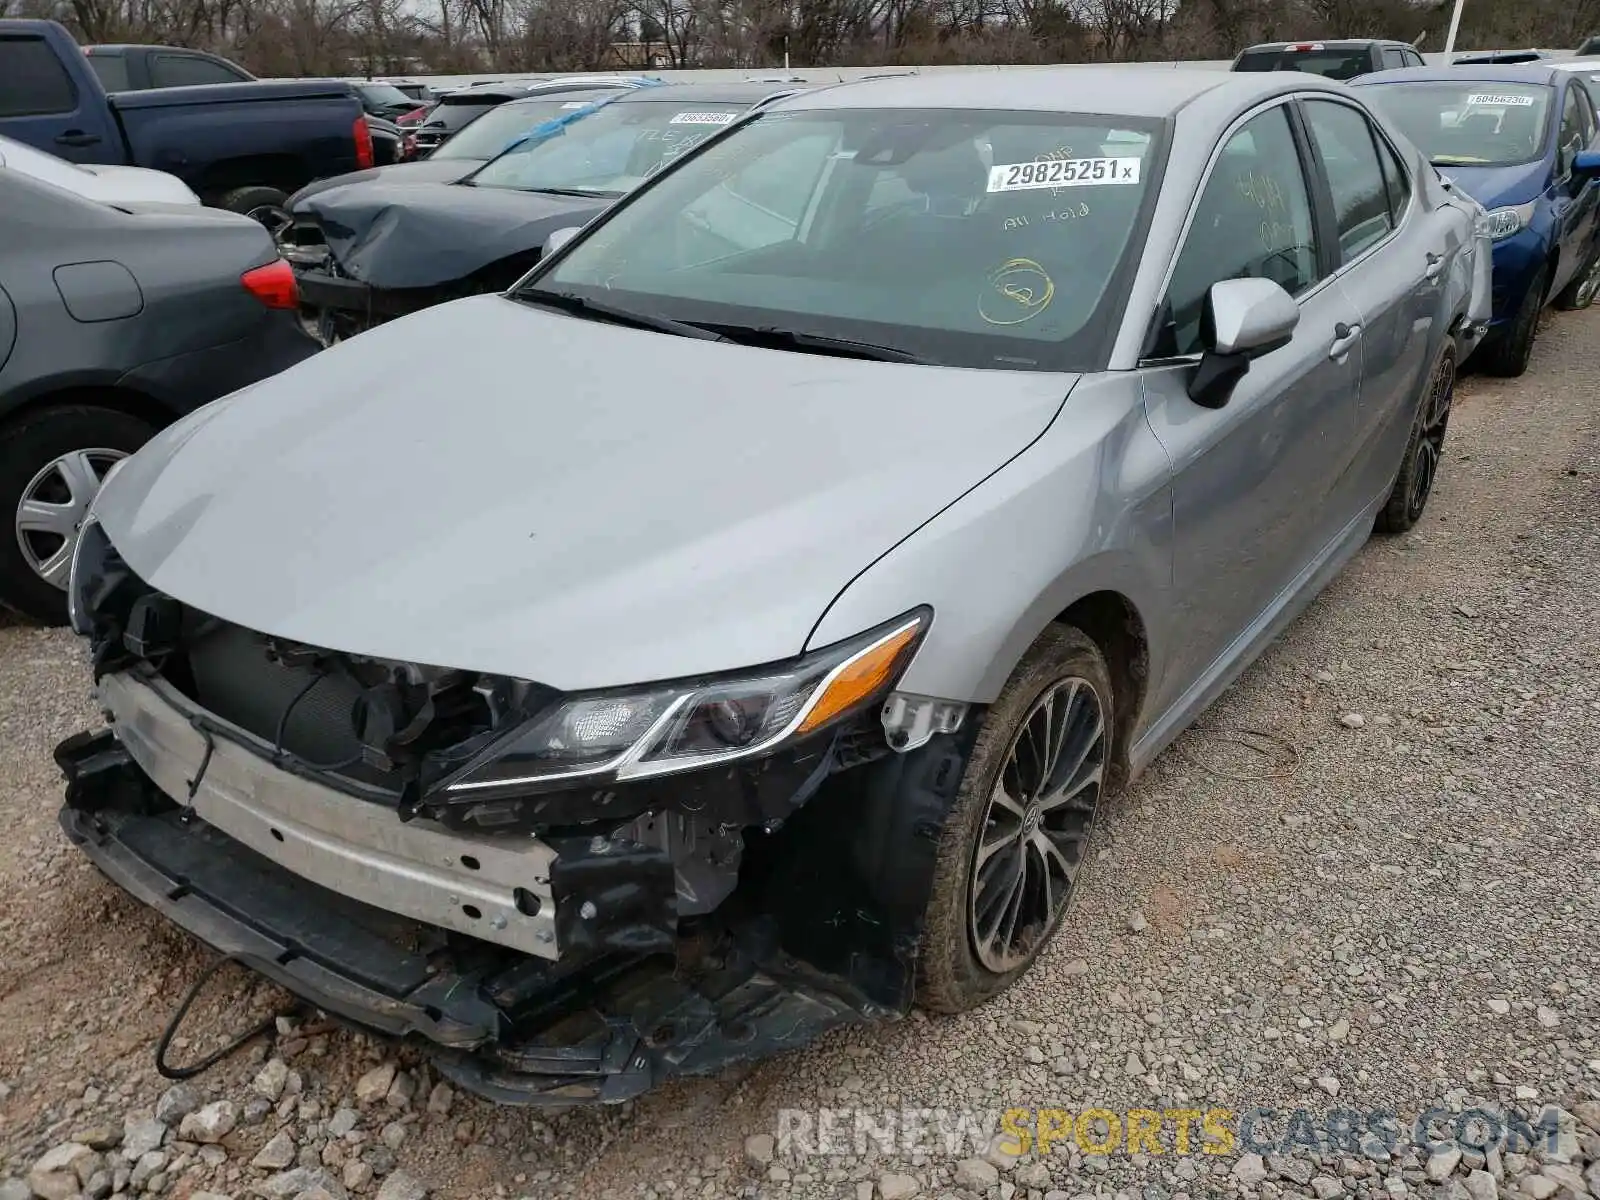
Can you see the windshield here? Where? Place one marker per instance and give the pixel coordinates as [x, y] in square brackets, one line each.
[1330, 64]
[976, 239]
[1470, 124]
[500, 127]
[613, 151]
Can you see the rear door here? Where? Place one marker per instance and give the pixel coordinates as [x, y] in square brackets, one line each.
[41, 104]
[1255, 482]
[1392, 263]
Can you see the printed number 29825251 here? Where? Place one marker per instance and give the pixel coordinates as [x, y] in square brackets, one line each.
[1063, 172]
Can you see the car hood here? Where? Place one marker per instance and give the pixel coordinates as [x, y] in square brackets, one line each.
[427, 170]
[591, 506]
[1494, 187]
[405, 235]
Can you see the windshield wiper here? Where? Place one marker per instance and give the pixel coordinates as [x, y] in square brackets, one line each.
[771, 335]
[568, 302]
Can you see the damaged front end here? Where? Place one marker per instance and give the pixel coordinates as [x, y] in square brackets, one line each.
[369, 251]
[403, 847]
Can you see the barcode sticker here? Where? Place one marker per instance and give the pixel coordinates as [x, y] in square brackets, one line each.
[1064, 172]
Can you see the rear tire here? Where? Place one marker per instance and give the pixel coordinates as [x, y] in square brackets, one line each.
[266, 205]
[54, 459]
[1508, 355]
[1016, 813]
[1424, 449]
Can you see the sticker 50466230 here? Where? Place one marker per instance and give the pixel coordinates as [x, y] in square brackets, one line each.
[1063, 172]
[1499, 99]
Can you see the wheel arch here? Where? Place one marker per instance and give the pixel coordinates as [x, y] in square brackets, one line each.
[1113, 622]
[89, 389]
[285, 172]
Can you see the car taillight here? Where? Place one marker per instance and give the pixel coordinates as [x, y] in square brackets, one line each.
[274, 285]
[363, 136]
[408, 145]
[412, 117]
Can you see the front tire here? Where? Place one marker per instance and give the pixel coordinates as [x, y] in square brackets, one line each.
[1017, 837]
[1424, 449]
[52, 463]
[1508, 356]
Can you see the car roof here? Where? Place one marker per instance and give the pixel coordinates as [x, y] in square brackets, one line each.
[1330, 44]
[1540, 73]
[1129, 91]
[706, 93]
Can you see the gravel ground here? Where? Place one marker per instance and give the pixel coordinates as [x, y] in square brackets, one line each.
[1370, 874]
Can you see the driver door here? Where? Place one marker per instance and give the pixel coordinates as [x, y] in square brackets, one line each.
[1254, 482]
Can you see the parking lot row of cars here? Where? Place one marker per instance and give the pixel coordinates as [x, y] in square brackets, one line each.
[734, 537]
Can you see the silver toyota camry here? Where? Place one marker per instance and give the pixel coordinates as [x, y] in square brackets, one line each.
[734, 630]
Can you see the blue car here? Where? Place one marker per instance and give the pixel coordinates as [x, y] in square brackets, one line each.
[1521, 140]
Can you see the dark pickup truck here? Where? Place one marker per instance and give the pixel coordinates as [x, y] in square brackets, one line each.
[242, 146]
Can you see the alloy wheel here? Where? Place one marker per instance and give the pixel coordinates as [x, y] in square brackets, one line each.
[51, 512]
[275, 219]
[1037, 825]
[1430, 446]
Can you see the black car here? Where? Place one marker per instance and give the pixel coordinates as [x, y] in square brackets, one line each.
[456, 110]
[1339, 59]
[113, 323]
[390, 248]
[462, 154]
[384, 100]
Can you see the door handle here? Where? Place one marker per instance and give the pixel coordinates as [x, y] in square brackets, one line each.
[1344, 336]
[1435, 266]
[77, 137]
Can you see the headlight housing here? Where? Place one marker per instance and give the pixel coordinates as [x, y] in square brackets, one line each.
[662, 729]
[1501, 223]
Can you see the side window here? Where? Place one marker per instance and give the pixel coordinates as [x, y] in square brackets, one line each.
[33, 83]
[112, 70]
[1345, 144]
[186, 70]
[1393, 58]
[1586, 113]
[1413, 59]
[1396, 181]
[1252, 221]
[1572, 139]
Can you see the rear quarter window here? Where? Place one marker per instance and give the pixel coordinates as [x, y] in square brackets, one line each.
[33, 83]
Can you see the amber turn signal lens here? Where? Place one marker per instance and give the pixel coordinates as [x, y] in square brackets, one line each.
[860, 677]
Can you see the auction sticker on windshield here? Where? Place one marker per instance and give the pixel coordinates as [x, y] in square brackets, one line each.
[703, 118]
[1063, 172]
[1493, 98]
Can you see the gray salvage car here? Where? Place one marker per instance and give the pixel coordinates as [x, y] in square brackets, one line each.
[813, 542]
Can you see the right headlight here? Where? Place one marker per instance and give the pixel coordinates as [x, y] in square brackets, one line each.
[662, 729]
[1501, 223]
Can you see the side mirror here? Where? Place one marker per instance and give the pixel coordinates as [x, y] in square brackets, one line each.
[560, 238]
[1586, 163]
[1244, 319]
